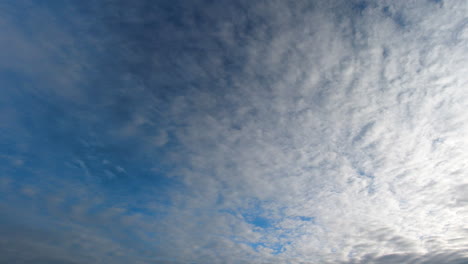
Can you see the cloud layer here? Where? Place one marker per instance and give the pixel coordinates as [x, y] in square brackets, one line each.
[234, 132]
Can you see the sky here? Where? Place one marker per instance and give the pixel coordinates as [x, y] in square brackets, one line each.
[234, 131]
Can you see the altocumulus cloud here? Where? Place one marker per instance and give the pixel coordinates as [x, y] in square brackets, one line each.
[234, 132]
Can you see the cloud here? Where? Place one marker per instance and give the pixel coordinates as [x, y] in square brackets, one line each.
[434, 257]
[305, 132]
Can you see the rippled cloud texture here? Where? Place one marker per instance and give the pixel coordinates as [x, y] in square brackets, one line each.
[234, 132]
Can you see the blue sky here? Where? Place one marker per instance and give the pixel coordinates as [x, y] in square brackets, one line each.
[233, 131]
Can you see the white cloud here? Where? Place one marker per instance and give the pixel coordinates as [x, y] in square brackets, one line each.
[357, 121]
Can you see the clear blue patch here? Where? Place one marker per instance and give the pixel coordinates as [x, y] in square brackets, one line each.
[252, 216]
[254, 213]
[260, 222]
